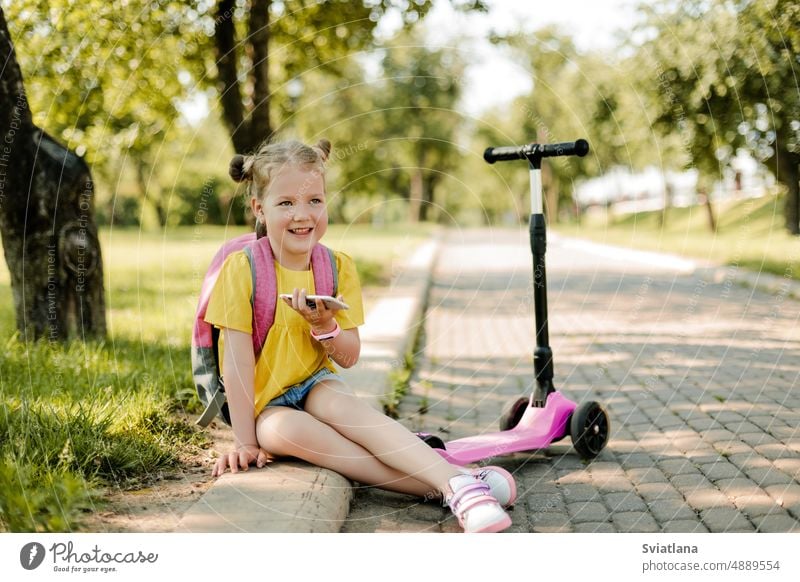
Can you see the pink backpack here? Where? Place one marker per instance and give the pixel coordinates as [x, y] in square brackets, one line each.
[205, 337]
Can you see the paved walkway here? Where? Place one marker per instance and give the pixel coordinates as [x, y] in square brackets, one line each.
[700, 375]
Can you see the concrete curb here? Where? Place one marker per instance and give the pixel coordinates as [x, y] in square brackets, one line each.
[299, 497]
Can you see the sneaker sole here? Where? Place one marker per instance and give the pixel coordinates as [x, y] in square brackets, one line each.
[496, 526]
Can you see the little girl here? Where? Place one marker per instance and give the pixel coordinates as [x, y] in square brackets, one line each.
[289, 402]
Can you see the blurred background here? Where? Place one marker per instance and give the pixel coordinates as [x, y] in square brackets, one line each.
[119, 120]
[684, 103]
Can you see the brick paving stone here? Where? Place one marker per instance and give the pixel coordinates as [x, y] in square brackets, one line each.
[672, 467]
[578, 492]
[429, 512]
[649, 475]
[635, 522]
[520, 521]
[670, 509]
[707, 498]
[756, 505]
[789, 466]
[587, 511]
[721, 519]
[755, 439]
[766, 476]
[636, 461]
[624, 502]
[773, 451]
[776, 523]
[406, 526]
[592, 527]
[721, 469]
[684, 526]
[703, 423]
[787, 496]
[686, 483]
[749, 459]
[655, 491]
[718, 435]
[551, 523]
[737, 486]
[548, 503]
[733, 447]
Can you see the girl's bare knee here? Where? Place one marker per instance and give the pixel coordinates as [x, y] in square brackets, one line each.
[281, 432]
[334, 403]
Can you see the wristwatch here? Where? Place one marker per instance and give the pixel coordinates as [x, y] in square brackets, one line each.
[327, 335]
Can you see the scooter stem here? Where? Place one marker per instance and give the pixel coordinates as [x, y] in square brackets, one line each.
[534, 152]
[542, 355]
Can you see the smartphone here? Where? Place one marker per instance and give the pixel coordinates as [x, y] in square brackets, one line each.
[330, 302]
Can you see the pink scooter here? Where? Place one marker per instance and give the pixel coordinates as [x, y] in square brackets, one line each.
[546, 416]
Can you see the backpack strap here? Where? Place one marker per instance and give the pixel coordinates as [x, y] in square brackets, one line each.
[205, 354]
[264, 298]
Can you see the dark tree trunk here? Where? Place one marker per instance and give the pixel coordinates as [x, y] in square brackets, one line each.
[415, 195]
[788, 173]
[246, 116]
[47, 221]
[429, 182]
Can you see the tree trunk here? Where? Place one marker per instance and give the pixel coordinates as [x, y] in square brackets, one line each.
[788, 173]
[705, 199]
[47, 221]
[415, 195]
[248, 126]
[429, 180]
[153, 193]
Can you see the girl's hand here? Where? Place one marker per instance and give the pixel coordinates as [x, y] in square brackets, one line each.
[321, 318]
[241, 457]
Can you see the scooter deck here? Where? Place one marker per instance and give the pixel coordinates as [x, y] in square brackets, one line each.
[536, 430]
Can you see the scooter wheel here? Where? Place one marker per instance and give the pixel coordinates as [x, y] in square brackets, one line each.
[432, 440]
[513, 414]
[590, 429]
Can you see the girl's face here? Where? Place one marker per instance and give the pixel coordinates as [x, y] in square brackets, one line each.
[294, 211]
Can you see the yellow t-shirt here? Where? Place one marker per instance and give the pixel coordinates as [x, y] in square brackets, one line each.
[290, 354]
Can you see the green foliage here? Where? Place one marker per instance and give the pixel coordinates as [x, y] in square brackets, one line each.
[106, 76]
[40, 500]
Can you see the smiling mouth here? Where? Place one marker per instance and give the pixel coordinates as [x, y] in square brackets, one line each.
[301, 231]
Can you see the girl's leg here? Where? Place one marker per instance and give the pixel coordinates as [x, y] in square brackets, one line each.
[393, 444]
[283, 431]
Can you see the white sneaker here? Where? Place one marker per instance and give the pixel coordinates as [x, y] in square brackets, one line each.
[474, 507]
[501, 483]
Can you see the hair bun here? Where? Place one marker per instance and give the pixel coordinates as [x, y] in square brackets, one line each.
[236, 169]
[323, 147]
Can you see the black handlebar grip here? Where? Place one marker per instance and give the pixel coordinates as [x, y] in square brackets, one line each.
[570, 148]
[492, 155]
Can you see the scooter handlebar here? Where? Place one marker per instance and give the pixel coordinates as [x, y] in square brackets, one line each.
[569, 148]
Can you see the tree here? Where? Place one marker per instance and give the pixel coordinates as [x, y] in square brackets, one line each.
[46, 220]
[416, 98]
[726, 76]
[561, 106]
[107, 78]
[261, 45]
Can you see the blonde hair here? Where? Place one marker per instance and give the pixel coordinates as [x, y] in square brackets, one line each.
[259, 168]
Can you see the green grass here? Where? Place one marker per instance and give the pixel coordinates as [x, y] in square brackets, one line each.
[750, 234]
[77, 418]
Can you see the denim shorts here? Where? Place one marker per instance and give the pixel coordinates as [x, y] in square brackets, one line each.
[295, 396]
